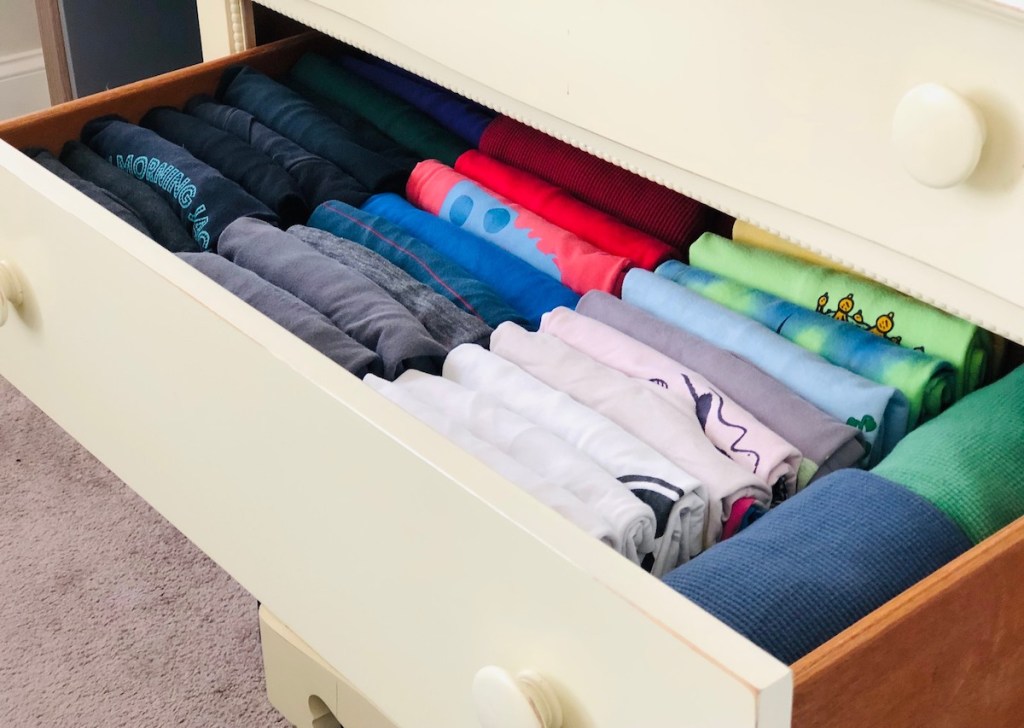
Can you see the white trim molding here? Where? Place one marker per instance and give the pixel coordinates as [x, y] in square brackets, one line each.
[225, 27]
[23, 83]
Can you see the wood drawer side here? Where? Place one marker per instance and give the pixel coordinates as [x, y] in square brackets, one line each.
[947, 652]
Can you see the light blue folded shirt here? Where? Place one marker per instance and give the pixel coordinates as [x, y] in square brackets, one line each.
[880, 412]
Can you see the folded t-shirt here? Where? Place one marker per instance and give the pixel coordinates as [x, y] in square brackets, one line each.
[258, 174]
[639, 409]
[819, 562]
[416, 258]
[825, 443]
[877, 309]
[162, 222]
[678, 499]
[445, 321]
[319, 179]
[565, 257]
[734, 431]
[352, 302]
[297, 118]
[97, 194]
[285, 309]
[880, 412]
[529, 291]
[205, 200]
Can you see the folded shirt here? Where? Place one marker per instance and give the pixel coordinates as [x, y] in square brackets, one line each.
[416, 258]
[929, 383]
[205, 200]
[560, 208]
[638, 409]
[877, 309]
[319, 179]
[565, 257]
[734, 431]
[880, 412]
[106, 199]
[551, 495]
[352, 302]
[825, 443]
[153, 210]
[969, 461]
[289, 312]
[258, 174]
[445, 321]
[819, 562]
[744, 233]
[678, 499]
[399, 120]
[466, 118]
[529, 291]
[631, 520]
[298, 119]
[645, 205]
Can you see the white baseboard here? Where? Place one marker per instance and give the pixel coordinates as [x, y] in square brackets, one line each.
[23, 83]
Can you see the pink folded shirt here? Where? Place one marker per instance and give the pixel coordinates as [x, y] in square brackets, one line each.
[733, 430]
[567, 258]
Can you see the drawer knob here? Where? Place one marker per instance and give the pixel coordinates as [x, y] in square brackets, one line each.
[938, 135]
[10, 290]
[522, 701]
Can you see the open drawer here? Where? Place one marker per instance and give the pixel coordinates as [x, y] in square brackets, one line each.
[403, 562]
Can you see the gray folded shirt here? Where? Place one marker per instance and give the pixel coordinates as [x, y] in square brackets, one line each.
[350, 300]
[285, 309]
[445, 321]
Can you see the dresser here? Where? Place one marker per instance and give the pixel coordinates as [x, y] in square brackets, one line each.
[404, 583]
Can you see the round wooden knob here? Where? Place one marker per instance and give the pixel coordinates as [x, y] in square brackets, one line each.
[10, 290]
[522, 701]
[938, 135]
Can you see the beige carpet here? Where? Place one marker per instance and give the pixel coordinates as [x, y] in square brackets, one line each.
[109, 616]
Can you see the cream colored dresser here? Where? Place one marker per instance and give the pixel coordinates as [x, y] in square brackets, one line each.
[409, 568]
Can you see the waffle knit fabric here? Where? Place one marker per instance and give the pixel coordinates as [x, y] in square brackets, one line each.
[819, 562]
[969, 461]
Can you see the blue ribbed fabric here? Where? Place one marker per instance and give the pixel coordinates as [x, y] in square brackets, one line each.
[819, 562]
[416, 258]
[462, 116]
[529, 291]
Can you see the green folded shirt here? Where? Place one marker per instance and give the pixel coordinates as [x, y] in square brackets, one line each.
[868, 305]
[969, 461]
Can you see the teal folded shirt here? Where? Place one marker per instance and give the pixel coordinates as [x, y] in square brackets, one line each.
[928, 382]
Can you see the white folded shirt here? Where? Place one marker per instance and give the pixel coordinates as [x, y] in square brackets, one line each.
[631, 520]
[637, 408]
[558, 499]
[678, 499]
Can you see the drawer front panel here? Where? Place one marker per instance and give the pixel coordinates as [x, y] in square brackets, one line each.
[404, 562]
[787, 103]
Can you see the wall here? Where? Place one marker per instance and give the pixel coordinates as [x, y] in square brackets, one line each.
[22, 75]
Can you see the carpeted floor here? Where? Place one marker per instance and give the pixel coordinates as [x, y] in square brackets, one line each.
[109, 616]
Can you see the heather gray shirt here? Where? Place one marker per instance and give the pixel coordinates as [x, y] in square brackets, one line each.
[285, 309]
[445, 321]
[350, 300]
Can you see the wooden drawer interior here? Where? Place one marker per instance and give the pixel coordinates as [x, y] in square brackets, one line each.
[944, 653]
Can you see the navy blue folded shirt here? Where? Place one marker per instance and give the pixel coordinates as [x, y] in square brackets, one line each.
[417, 259]
[297, 118]
[205, 200]
[819, 562]
[163, 223]
[319, 179]
[257, 173]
